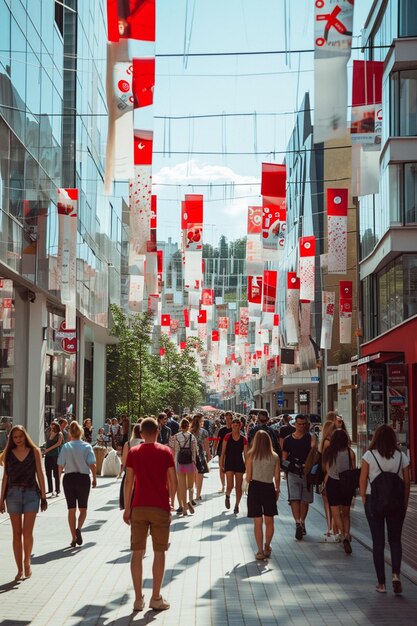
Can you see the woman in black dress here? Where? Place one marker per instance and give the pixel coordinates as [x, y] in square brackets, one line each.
[233, 462]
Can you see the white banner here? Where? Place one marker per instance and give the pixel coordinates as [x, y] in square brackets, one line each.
[328, 302]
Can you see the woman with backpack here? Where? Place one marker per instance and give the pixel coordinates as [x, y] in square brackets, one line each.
[185, 452]
[385, 488]
[339, 457]
[203, 453]
[262, 470]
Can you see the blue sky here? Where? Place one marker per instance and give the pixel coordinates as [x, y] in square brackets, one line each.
[225, 85]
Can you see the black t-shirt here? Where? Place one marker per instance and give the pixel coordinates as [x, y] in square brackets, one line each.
[286, 430]
[221, 435]
[297, 449]
[272, 434]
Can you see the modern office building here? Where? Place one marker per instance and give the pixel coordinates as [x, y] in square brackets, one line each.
[387, 371]
[53, 125]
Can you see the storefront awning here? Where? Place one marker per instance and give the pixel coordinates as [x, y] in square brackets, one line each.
[380, 357]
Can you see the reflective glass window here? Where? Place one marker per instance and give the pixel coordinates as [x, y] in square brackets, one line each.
[408, 103]
[4, 37]
[18, 64]
[410, 193]
[410, 285]
[408, 18]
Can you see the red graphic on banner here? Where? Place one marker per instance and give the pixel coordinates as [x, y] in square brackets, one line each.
[68, 208]
[307, 246]
[255, 289]
[143, 82]
[207, 297]
[337, 202]
[131, 19]
[214, 335]
[202, 317]
[254, 220]
[68, 338]
[143, 142]
[293, 282]
[165, 320]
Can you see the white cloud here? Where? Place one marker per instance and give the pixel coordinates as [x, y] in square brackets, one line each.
[193, 172]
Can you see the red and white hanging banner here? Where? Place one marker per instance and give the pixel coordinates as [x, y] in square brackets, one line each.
[345, 311]
[143, 84]
[332, 48]
[254, 260]
[193, 275]
[223, 325]
[142, 209]
[254, 220]
[120, 104]
[275, 337]
[291, 312]
[307, 267]
[67, 252]
[269, 291]
[165, 324]
[244, 323]
[327, 314]
[192, 221]
[337, 211]
[273, 190]
[254, 297]
[215, 346]
[202, 327]
[131, 19]
[366, 124]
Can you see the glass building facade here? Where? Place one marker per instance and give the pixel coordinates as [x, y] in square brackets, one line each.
[53, 129]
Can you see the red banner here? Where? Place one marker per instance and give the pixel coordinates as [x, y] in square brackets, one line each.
[143, 141]
[273, 181]
[254, 220]
[131, 19]
[269, 291]
[143, 82]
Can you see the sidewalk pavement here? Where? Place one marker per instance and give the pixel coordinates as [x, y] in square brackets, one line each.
[212, 577]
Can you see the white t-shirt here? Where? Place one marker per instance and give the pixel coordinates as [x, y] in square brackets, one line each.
[387, 465]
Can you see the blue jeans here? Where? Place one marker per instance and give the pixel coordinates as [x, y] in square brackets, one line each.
[377, 527]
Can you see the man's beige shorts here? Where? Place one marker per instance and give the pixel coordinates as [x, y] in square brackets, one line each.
[150, 519]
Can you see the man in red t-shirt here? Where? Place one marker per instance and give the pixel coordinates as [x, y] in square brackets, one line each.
[150, 469]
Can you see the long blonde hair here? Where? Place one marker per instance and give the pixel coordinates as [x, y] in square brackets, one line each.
[328, 429]
[261, 447]
[11, 444]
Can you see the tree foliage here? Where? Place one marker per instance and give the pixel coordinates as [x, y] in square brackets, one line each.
[142, 383]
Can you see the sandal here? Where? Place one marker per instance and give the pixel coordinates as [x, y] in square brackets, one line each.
[396, 584]
[259, 556]
[380, 589]
[267, 551]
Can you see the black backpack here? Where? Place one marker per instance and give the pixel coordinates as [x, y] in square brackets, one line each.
[185, 455]
[387, 492]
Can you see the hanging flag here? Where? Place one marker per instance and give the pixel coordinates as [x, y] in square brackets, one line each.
[244, 322]
[345, 311]
[67, 252]
[327, 314]
[143, 82]
[291, 312]
[131, 19]
[254, 297]
[269, 291]
[332, 48]
[254, 220]
[273, 189]
[275, 337]
[165, 325]
[366, 124]
[307, 267]
[337, 211]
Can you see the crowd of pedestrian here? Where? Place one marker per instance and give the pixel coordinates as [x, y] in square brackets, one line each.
[164, 460]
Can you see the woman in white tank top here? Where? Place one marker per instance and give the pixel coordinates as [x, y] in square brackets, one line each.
[262, 470]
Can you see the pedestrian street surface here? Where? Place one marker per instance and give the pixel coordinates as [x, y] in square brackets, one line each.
[212, 577]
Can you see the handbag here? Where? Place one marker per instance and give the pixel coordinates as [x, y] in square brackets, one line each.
[349, 479]
[313, 468]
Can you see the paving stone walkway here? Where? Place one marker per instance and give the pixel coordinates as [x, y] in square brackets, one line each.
[212, 577]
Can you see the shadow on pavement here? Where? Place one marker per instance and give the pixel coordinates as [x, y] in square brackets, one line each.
[97, 614]
[60, 554]
[14, 622]
[98, 523]
[11, 586]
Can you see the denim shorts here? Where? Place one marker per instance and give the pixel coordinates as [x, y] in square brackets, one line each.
[22, 500]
